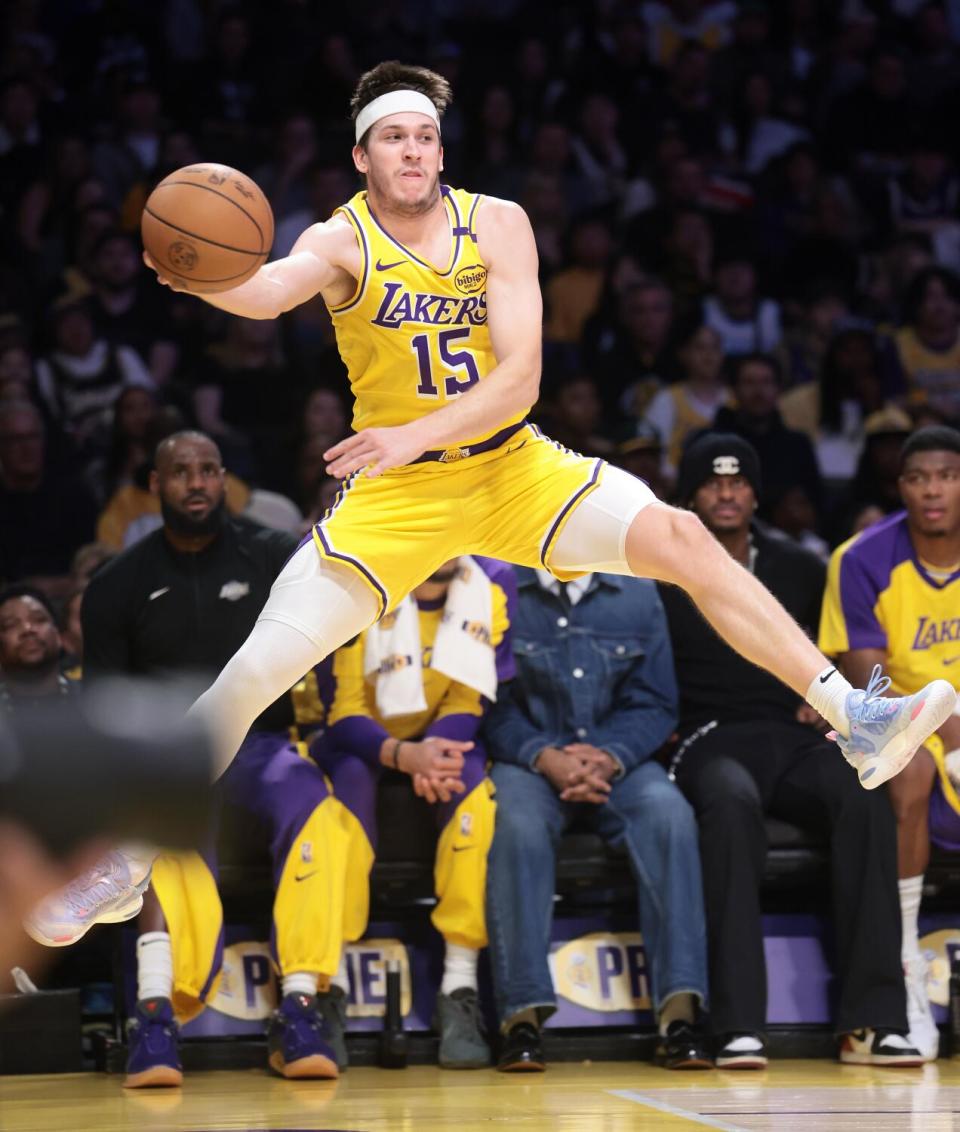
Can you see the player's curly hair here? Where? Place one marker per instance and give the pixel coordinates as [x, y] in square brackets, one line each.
[393, 75]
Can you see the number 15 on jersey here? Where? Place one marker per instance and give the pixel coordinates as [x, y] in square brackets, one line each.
[450, 357]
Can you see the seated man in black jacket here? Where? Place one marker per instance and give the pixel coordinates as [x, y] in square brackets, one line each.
[182, 599]
[749, 747]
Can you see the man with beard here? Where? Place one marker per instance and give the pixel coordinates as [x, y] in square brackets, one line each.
[182, 600]
[750, 747]
[410, 696]
[893, 598]
[29, 650]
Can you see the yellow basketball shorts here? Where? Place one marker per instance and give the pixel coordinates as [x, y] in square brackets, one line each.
[512, 503]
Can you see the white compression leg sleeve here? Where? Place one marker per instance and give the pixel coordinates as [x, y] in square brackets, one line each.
[313, 608]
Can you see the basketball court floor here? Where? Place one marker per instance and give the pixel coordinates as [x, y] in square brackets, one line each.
[568, 1098]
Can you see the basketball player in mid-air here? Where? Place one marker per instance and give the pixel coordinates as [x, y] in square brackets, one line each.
[435, 300]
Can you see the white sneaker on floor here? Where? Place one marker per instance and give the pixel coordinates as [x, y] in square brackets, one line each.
[885, 733]
[924, 1034]
[741, 1051]
[879, 1047]
[108, 893]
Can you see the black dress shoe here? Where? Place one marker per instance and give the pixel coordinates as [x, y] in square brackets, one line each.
[521, 1051]
[683, 1047]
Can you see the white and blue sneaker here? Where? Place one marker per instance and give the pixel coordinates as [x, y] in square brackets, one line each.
[109, 893]
[886, 732]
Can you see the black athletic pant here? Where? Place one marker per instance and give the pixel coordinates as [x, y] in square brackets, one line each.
[733, 776]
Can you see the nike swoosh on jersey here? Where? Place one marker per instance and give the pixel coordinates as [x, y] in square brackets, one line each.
[952, 660]
[463, 848]
[306, 876]
[158, 593]
[386, 266]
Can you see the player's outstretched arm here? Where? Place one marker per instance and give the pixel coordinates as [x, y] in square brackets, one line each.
[325, 259]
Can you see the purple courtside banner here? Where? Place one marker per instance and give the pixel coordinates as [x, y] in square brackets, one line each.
[598, 965]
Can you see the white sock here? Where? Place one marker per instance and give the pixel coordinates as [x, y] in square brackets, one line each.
[300, 982]
[459, 968]
[911, 890]
[827, 694]
[154, 966]
[341, 979]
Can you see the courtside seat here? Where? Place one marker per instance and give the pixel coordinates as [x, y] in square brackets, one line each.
[589, 874]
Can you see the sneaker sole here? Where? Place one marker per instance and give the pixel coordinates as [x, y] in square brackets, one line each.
[523, 1067]
[748, 1061]
[316, 1066]
[881, 1062]
[693, 1063]
[937, 708]
[117, 916]
[157, 1076]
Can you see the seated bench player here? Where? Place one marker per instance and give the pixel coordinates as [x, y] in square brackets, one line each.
[893, 598]
[409, 695]
[181, 600]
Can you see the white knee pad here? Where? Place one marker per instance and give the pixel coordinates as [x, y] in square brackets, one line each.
[595, 537]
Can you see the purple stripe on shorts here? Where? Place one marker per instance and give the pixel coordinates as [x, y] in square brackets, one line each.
[572, 502]
[944, 821]
[335, 554]
[357, 565]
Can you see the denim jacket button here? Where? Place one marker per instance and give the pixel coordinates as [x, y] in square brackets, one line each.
[581, 732]
[577, 672]
[562, 622]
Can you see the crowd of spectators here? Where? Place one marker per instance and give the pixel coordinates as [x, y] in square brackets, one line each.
[746, 215]
[747, 218]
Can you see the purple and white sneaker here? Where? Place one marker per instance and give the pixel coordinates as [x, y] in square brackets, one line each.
[886, 732]
[109, 893]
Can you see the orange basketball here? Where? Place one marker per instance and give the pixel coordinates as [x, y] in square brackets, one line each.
[207, 227]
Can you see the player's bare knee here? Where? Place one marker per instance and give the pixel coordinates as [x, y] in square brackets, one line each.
[673, 546]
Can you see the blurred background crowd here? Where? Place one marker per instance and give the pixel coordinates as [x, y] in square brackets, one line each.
[747, 214]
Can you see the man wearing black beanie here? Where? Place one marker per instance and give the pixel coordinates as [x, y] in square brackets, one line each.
[749, 747]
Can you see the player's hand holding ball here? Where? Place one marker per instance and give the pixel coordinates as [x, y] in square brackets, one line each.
[206, 228]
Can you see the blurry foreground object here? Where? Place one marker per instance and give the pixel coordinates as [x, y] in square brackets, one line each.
[120, 762]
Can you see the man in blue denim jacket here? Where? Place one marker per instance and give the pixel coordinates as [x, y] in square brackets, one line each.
[573, 738]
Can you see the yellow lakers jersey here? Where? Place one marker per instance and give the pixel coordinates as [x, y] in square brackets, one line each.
[880, 596]
[354, 695]
[414, 335]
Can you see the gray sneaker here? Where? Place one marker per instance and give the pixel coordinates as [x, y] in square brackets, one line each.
[457, 1019]
[332, 1005]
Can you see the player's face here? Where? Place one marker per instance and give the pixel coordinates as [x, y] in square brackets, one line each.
[402, 163]
[930, 490]
[190, 482]
[725, 504]
[29, 640]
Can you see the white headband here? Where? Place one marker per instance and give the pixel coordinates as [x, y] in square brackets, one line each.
[395, 102]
